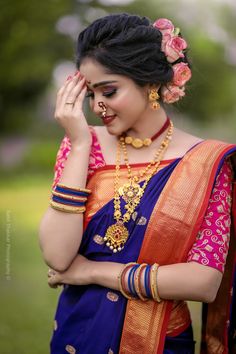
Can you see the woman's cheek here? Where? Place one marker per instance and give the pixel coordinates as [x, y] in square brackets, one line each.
[121, 101]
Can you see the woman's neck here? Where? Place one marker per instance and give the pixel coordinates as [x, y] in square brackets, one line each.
[150, 124]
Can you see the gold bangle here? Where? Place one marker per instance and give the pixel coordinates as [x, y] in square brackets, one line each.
[137, 280]
[120, 278]
[157, 292]
[71, 197]
[153, 282]
[73, 188]
[66, 208]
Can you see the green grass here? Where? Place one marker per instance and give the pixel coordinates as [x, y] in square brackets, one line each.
[27, 303]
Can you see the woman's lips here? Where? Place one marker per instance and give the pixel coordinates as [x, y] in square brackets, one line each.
[108, 119]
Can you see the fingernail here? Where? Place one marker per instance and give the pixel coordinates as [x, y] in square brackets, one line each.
[69, 78]
[77, 73]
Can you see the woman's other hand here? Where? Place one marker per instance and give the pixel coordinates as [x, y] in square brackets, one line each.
[79, 273]
[69, 111]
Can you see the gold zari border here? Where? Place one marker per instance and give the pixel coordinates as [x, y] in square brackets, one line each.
[171, 232]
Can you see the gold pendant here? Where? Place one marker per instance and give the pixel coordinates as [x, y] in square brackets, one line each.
[137, 143]
[130, 191]
[116, 236]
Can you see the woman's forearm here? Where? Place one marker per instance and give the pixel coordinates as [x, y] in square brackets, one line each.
[188, 281]
[60, 233]
[106, 274]
[183, 281]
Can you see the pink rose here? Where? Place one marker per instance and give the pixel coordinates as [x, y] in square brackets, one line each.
[182, 74]
[174, 47]
[171, 93]
[165, 38]
[164, 25]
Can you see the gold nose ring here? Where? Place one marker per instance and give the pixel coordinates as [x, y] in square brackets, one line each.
[103, 107]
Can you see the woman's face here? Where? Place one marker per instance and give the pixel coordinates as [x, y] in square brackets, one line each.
[126, 103]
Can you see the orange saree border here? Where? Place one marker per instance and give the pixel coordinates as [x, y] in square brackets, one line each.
[171, 232]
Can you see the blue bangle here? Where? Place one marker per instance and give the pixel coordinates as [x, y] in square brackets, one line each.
[146, 281]
[66, 201]
[71, 192]
[132, 280]
[129, 278]
[131, 286]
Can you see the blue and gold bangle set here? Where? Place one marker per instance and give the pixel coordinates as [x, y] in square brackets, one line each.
[68, 199]
[132, 286]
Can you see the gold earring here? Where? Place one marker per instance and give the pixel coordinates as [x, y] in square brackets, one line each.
[153, 99]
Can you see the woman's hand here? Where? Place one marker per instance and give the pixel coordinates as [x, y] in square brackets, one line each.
[79, 273]
[69, 111]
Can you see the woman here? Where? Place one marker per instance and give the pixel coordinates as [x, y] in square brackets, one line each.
[157, 202]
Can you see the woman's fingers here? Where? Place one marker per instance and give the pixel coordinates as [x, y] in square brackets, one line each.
[69, 110]
[69, 89]
[74, 94]
[80, 97]
[53, 278]
[69, 94]
[66, 88]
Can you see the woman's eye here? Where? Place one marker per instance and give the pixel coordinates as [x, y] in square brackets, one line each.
[109, 93]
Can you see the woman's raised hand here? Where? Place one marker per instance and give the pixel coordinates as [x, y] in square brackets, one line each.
[69, 113]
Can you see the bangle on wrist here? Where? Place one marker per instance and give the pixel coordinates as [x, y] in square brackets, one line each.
[69, 199]
[137, 281]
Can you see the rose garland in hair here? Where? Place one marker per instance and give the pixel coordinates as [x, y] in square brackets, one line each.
[173, 46]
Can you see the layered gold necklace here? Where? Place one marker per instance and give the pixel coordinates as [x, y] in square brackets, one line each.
[117, 234]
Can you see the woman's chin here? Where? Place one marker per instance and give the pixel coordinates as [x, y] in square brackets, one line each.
[114, 129]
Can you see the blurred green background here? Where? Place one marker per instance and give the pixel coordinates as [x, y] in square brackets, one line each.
[37, 42]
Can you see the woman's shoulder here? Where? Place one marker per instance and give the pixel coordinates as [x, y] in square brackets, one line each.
[186, 138]
[182, 142]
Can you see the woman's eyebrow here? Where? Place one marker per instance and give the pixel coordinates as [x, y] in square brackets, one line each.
[102, 83]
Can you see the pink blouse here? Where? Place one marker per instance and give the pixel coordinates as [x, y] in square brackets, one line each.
[212, 242]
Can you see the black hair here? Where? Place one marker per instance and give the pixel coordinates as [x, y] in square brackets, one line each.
[126, 45]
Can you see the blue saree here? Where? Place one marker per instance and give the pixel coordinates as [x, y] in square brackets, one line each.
[90, 319]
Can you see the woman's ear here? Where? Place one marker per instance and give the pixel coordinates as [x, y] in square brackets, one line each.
[154, 87]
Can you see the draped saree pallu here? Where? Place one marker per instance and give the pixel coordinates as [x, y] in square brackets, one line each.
[171, 232]
[93, 319]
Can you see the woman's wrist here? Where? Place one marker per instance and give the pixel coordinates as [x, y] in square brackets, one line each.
[106, 274]
[83, 147]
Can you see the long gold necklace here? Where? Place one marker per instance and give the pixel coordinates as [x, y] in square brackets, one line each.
[117, 234]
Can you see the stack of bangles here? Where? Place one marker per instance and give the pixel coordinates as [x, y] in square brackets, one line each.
[139, 281]
[68, 199]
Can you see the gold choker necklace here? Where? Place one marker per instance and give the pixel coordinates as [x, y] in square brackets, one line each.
[138, 143]
[117, 234]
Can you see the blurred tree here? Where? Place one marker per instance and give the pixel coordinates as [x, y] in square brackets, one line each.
[29, 48]
[211, 37]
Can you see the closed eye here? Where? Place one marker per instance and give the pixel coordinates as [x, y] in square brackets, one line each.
[109, 93]
[106, 93]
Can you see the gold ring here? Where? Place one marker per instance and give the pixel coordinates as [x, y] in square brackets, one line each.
[70, 103]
